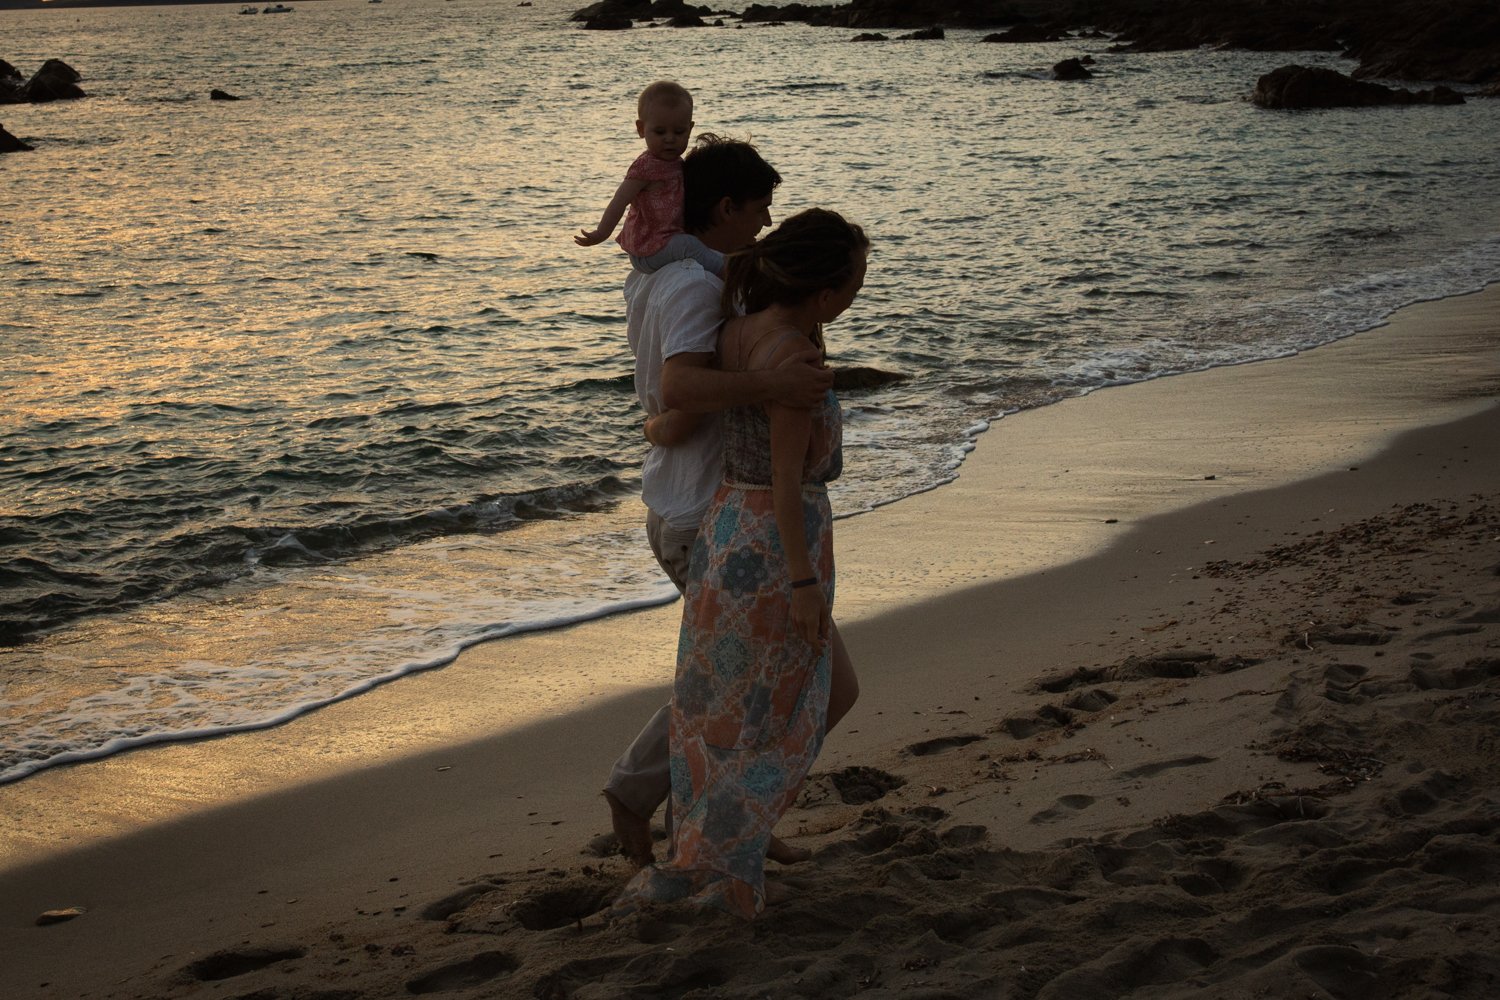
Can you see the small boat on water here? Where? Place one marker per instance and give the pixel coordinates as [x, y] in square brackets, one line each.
[276, 8]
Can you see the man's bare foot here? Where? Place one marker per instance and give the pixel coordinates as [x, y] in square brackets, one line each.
[783, 853]
[633, 833]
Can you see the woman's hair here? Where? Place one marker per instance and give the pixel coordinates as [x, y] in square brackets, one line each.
[808, 253]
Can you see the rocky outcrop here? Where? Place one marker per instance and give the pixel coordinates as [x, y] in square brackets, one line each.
[55, 81]
[608, 22]
[856, 378]
[893, 13]
[612, 15]
[1273, 26]
[221, 95]
[1457, 41]
[933, 34]
[11, 82]
[1024, 34]
[10, 144]
[1394, 39]
[1071, 69]
[1292, 87]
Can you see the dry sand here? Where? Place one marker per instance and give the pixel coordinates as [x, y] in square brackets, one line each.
[1239, 742]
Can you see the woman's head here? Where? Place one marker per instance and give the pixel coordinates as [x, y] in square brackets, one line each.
[816, 254]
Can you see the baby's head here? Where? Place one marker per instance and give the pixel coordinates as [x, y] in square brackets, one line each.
[664, 118]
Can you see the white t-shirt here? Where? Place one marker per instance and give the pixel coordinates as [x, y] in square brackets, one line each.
[675, 311]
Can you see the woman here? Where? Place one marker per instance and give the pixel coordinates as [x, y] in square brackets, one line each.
[750, 702]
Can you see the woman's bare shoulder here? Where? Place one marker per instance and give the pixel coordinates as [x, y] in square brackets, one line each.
[777, 345]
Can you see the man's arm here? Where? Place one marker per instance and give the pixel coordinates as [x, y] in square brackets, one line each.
[688, 382]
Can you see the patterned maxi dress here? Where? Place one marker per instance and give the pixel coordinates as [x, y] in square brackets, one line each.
[750, 702]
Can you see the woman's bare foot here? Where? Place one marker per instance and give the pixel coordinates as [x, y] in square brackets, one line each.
[633, 833]
[783, 853]
[777, 893]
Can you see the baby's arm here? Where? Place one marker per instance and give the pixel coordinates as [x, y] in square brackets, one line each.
[671, 427]
[624, 195]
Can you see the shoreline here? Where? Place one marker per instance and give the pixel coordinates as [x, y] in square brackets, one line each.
[988, 568]
[411, 565]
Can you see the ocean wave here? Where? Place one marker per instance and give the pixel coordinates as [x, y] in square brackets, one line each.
[51, 583]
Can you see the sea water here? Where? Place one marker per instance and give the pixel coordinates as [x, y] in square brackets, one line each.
[308, 391]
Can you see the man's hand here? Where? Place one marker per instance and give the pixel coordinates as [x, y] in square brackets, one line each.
[802, 380]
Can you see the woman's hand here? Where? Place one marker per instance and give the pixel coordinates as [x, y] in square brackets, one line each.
[810, 615]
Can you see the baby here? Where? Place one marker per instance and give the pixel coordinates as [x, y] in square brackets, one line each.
[653, 235]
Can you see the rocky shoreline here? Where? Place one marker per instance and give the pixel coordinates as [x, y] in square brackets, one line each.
[1395, 39]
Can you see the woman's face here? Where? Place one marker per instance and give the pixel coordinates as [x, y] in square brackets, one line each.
[841, 298]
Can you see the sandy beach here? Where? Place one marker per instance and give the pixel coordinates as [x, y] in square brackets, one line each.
[1183, 689]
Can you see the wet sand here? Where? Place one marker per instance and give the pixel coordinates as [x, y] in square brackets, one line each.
[1186, 687]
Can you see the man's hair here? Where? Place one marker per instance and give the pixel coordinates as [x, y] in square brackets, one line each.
[668, 92]
[716, 168]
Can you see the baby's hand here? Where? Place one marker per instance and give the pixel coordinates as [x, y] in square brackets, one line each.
[589, 237]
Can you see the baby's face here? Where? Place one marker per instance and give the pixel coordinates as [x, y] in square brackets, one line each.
[666, 129]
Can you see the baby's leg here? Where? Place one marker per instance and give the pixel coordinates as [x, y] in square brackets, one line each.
[681, 247]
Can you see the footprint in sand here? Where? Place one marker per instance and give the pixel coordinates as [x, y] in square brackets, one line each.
[1063, 808]
[1341, 970]
[228, 964]
[856, 785]
[1074, 679]
[1471, 674]
[545, 911]
[1152, 770]
[455, 902]
[1047, 717]
[1091, 701]
[476, 971]
[942, 744]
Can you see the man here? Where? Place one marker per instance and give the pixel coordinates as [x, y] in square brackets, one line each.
[673, 318]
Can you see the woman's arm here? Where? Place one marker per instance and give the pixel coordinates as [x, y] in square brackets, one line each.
[790, 431]
[624, 195]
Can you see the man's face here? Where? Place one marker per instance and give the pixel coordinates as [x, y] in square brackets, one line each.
[743, 222]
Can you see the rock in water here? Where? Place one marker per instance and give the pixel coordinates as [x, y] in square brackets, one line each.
[1071, 69]
[10, 144]
[11, 82]
[846, 379]
[221, 95]
[1292, 87]
[55, 81]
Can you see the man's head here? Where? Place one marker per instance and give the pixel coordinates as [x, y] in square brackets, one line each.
[727, 192]
[664, 118]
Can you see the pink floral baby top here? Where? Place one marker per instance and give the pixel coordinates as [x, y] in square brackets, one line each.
[656, 213]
